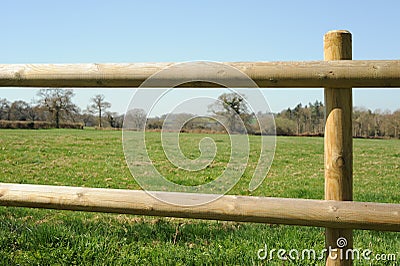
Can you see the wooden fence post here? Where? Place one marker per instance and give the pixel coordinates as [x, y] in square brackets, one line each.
[338, 146]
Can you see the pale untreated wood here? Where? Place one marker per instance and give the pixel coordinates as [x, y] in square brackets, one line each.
[313, 74]
[338, 140]
[322, 213]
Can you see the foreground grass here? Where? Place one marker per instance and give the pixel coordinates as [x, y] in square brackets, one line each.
[95, 159]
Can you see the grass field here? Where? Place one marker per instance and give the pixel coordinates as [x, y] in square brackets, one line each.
[95, 159]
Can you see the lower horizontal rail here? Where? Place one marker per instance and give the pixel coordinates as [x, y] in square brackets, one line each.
[321, 213]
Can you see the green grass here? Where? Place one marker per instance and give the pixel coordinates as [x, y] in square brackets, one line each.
[95, 159]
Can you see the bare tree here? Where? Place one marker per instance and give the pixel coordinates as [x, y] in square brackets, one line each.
[5, 109]
[135, 119]
[57, 102]
[99, 106]
[87, 117]
[233, 107]
[267, 124]
[396, 123]
[33, 112]
[19, 110]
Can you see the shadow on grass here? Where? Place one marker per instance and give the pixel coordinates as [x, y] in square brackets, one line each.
[48, 237]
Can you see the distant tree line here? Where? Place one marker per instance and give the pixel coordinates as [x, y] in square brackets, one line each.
[307, 120]
[310, 120]
[301, 120]
[55, 108]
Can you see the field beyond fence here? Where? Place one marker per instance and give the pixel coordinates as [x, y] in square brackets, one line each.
[92, 158]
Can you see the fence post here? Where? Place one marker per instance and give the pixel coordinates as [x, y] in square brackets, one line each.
[338, 146]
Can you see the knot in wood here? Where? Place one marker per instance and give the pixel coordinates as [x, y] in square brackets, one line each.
[339, 161]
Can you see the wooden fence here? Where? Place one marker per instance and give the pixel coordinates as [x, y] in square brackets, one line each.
[338, 74]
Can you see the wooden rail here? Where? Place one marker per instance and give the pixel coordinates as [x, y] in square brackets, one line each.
[322, 213]
[315, 74]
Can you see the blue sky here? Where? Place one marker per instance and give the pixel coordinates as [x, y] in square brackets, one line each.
[162, 31]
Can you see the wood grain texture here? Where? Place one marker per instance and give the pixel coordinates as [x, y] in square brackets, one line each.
[321, 213]
[312, 74]
[338, 140]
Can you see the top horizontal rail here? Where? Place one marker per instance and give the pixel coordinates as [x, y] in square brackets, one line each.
[310, 74]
